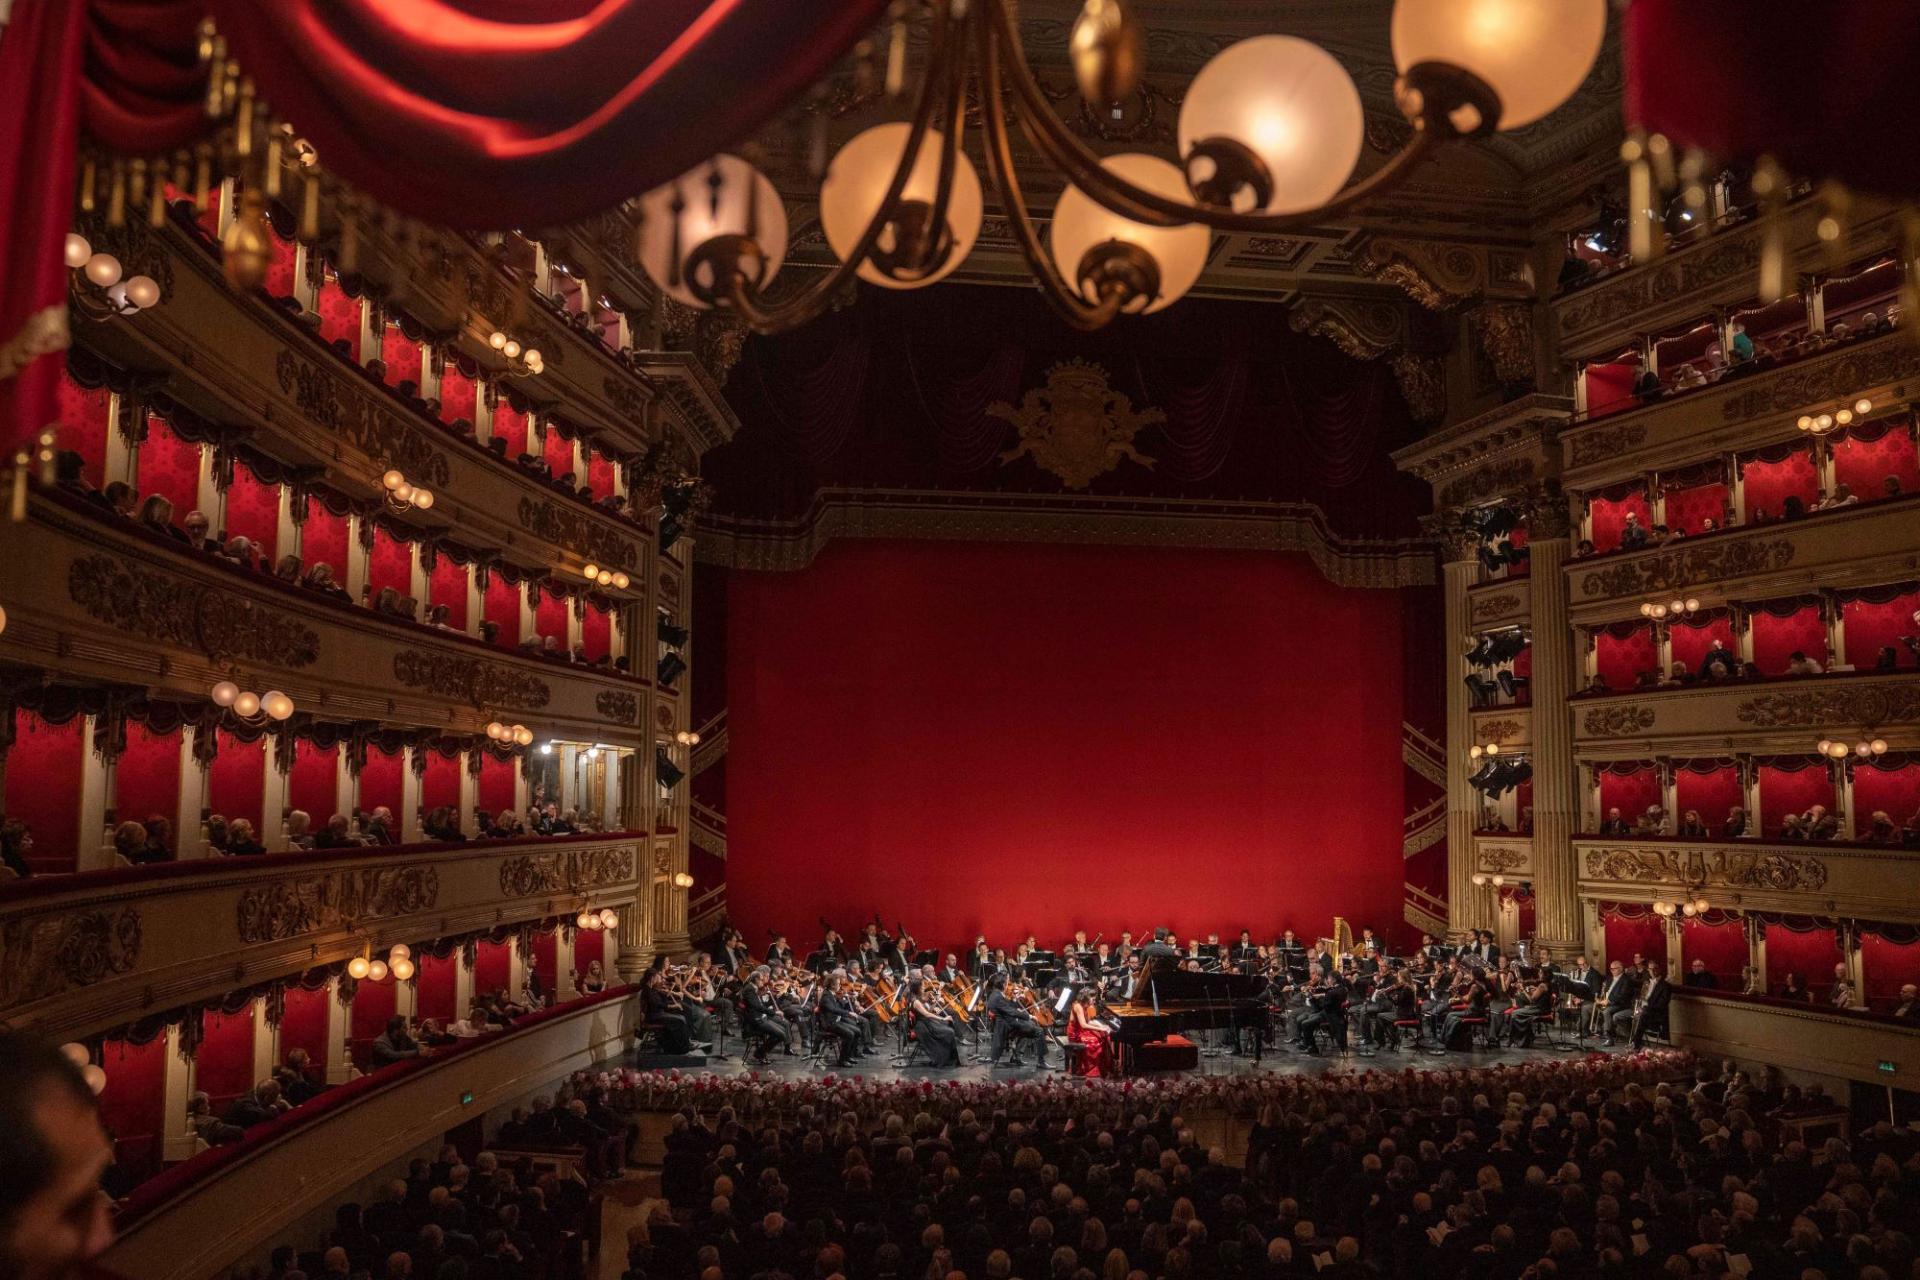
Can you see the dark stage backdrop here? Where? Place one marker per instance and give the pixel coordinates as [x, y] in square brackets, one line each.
[1008, 738]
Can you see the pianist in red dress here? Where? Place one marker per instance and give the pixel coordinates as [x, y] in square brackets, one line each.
[1095, 1039]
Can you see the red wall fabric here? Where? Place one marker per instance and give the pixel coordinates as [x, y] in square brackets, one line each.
[492, 966]
[1630, 793]
[83, 418]
[380, 780]
[590, 945]
[1691, 643]
[1896, 791]
[458, 394]
[280, 281]
[44, 768]
[253, 511]
[1811, 955]
[550, 617]
[1646, 935]
[1867, 628]
[1723, 946]
[303, 1025]
[495, 789]
[1688, 509]
[339, 316]
[1710, 793]
[390, 565]
[1609, 517]
[1766, 485]
[146, 781]
[1784, 791]
[313, 785]
[600, 473]
[501, 606]
[1776, 639]
[596, 632]
[558, 451]
[440, 784]
[401, 355]
[170, 467]
[1610, 388]
[223, 1067]
[510, 425]
[1886, 966]
[447, 585]
[133, 1104]
[373, 1004]
[433, 987]
[323, 540]
[1864, 465]
[236, 782]
[1022, 749]
[1622, 659]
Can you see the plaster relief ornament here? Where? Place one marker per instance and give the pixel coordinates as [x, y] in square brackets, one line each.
[1077, 427]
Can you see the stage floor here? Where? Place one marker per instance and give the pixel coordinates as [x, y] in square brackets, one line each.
[1285, 1061]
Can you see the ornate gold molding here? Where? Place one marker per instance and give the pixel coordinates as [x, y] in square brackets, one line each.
[566, 871]
[1873, 705]
[1362, 328]
[1597, 446]
[43, 956]
[1734, 869]
[1486, 608]
[1500, 730]
[1494, 480]
[1686, 566]
[1423, 385]
[577, 531]
[481, 684]
[617, 705]
[353, 412]
[274, 912]
[1824, 380]
[1617, 722]
[1077, 427]
[1610, 302]
[170, 610]
[1502, 858]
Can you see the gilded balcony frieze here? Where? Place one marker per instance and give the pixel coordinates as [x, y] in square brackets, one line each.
[1863, 882]
[1743, 716]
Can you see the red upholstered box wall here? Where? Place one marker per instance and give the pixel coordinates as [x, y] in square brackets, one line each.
[1711, 791]
[1609, 517]
[1863, 465]
[1811, 954]
[447, 585]
[223, 1066]
[433, 986]
[170, 467]
[44, 768]
[1869, 626]
[133, 1104]
[313, 785]
[501, 606]
[495, 789]
[492, 965]
[323, 540]
[1645, 935]
[236, 782]
[1785, 790]
[1722, 944]
[84, 422]
[1894, 790]
[146, 778]
[304, 1023]
[1766, 485]
[1776, 639]
[1691, 643]
[440, 784]
[380, 780]
[1629, 789]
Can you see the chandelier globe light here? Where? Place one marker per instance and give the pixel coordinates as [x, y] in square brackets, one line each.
[1269, 135]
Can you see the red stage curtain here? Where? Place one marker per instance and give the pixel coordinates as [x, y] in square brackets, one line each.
[373, 1004]
[1729, 76]
[170, 467]
[83, 415]
[236, 781]
[1022, 702]
[44, 767]
[1864, 465]
[223, 1066]
[339, 316]
[1870, 626]
[1644, 934]
[590, 945]
[133, 1106]
[1784, 791]
[502, 608]
[1776, 639]
[323, 540]
[509, 425]
[550, 617]
[447, 585]
[1723, 945]
[1812, 955]
[313, 785]
[440, 784]
[1886, 966]
[492, 966]
[1690, 643]
[596, 632]
[600, 474]
[1622, 653]
[495, 789]
[1610, 388]
[546, 960]
[433, 986]
[1895, 791]
[1712, 793]
[1688, 509]
[458, 394]
[1767, 485]
[304, 1025]
[380, 780]
[558, 451]
[1610, 517]
[253, 511]
[390, 564]
[1632, 793]
[146, 780]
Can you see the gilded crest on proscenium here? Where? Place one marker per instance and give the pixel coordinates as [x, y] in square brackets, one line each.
[1077, 427]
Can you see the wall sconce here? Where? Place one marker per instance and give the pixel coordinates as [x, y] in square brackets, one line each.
[94, 282]
[605, 918]
[1820, 423]
[518, 734]
[522, 361]
[82, 1057]
[254, 708]
[682, 880]
[1834, 749]
[1660, 610]
[402, 496]
[1479, 749]
[687, 738]
[606, 577]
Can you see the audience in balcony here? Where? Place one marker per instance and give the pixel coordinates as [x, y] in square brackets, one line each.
[16, 842]
[1799, 664]
[1719, 663]
[1841, 995]
[241, 840]
[1796, 989]
[1700, 977]
[1908, 1007]
[1651, 823]
[1736, 824]
[394, 1044]
[1691, 826]
[1614, 825]
[1633, 535]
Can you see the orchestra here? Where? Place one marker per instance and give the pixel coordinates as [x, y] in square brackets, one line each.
[1099, 1000]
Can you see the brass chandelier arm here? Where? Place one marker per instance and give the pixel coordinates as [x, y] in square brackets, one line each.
[1084, 168]
[1061, 295]
[742, 294]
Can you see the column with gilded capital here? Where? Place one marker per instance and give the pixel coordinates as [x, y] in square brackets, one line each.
[1556, 795]
[634, 938]
[1468, 906]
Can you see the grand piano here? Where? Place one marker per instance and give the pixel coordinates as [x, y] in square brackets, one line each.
[1168, 1000]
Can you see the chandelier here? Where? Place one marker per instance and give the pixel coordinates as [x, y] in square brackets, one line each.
[1269, 134]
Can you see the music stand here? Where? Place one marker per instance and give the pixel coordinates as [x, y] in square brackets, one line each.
[820, 961]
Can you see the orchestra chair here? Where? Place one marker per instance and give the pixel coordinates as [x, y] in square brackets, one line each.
[1401, 1026]
[912, 1053]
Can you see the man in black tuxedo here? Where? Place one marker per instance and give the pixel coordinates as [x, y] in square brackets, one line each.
[1908, 1009]
[1159, 946]
[1011, 1021]
[1655, 998]
[780, 953]
[1326, 1007]
[1617, 999]
[764, 1026]
[1700, 976]
[837, 1019]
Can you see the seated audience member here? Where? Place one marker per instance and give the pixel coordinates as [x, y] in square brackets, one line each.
[120, 498]
[159, 846]
[1633, 535]
[437, 618]
[338, 834]
[1651, 823]
[156, 513]
[1718, 663]
[258, 1106]
[217, 834]
[1792, 507]
[1888, 659]
[439, 824]
[299, 829]
[394, 1044]
[1736, 824]
[506, 826]
[387, 602]
[407, 607]
[130, 843]
[489, 631]
[1796, 989]
[240, 551]
[1793, 827]
[16, 841]
[1842, 496]
[1841, 996]
[297, 1084]
[1677, 675]
[208, 1127]
[1820, 824]
[288, 569]
[1692, 826]
[378, 828]
[241, 841]
[1907, 1007]
[1890, 487]
[1799, 664]
[1881, 829]
[195, 525]
[1698, 975]
[593, 980]
[320, 578]
[1614, 825]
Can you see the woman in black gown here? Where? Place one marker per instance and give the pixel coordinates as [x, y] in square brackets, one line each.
[933, 1027]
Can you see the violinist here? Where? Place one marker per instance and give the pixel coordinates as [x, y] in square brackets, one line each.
[696, 990]
[664, 1013]
[762, 1023]
[832, 945]
[932, 1025]
[1534, 1007]
[1012, 1021]
[1326, 1008]
[779, 955]
[733, 951]
[839, 1021]
[1103, 961]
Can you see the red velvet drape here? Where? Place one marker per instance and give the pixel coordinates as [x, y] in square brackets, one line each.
[492, 966]
[313, 784]
[44, 767]
[1873, 625]
[1894, 791]
[1621, 654]
[501, 606]
[223, 1067]
[1688, 509]
[323, 540]
[495, 789]
[447, 585]
[1632, 793]
[373, 1004]
[1776, 639]
[1610, 388]
[236, 781]
[1784, 791]
[380, 781]
[1886, 967]
[1609, 518]
[83, 416]
[434, 987]
[146, 780]
[1643, 933]
[440, 784]
[133, 1106]
[1711, 792]
[1766, 485]
[1722, 945]
[253, 511]
[1811, 954]
[303, 1024]
[1691, 643]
